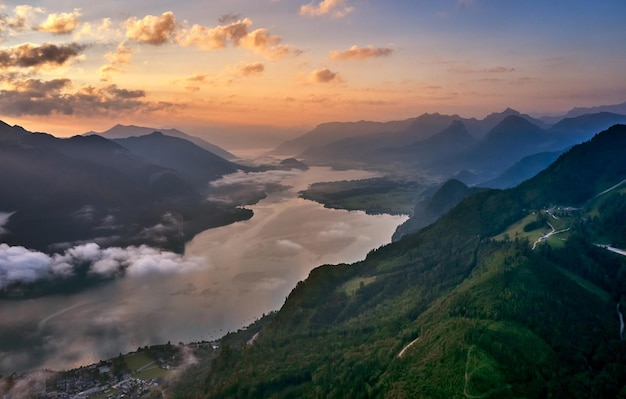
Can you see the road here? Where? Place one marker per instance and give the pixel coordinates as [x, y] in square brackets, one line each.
[610, 189]
[546, 236]
[407, 346]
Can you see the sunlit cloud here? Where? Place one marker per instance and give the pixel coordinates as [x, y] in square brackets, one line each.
[217, 37]
[360, 53]
[22, 17]
[336, 8]
[325, 76]
[237, 34]
[60, 24]
[155, 30]
[117, 59]
[101, 30]
[226, 77]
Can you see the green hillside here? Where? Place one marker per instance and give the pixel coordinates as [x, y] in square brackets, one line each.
[454, 312]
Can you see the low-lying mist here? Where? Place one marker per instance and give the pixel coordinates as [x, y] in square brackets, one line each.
[228, 277]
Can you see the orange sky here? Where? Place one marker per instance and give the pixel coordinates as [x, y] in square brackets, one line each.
[201, 65]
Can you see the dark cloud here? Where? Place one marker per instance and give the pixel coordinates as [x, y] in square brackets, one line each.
[32, 56]
[38, 97]
[39, 88]
[124, 93]
[228, 18]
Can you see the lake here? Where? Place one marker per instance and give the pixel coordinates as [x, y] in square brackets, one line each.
[247, 269]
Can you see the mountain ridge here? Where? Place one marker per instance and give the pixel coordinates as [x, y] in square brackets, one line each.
[120, 131]
[48, 181]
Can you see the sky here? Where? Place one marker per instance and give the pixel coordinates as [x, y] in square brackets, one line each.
[69, 66]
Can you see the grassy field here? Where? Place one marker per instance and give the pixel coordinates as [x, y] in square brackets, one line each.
[144, 367]
[516, 230]
[351, 286]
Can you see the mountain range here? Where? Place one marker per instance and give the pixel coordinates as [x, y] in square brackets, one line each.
[471, 306]
[67, 191]
[443, 145]
[579, 111]
[125, 131]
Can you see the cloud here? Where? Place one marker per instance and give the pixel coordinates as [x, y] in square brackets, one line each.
[197, 78]
[256, 68]
[21, 265]
[60, 24]
[117, 59]
[230, 17]
[170, 223]
[252, 178]
[237, 34]
[337, 8]
[360, 53]
[22, 16]
[244, 188]
[499, 69]
[26, 386]
[151, 29]
[495, 69]
[324, 76]
[4, 219]
[99, 30]
[57, 96]
[17, 264]
[215, 38]
[36, 88]
[32, 56]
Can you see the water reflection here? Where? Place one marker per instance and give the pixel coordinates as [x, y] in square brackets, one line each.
[250, 268]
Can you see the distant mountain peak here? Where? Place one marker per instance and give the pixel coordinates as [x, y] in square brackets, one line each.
[507, 112]
[124, 131]
[512, 111]
[512, 121]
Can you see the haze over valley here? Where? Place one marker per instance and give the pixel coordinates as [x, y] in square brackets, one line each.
[333, 198]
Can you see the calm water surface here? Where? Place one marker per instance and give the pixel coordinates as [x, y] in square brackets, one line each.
[248, 269]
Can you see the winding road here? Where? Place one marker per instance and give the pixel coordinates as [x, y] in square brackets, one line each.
[546, 236]
[407, 346]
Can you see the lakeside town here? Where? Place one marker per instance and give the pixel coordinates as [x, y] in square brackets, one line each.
[129, 376]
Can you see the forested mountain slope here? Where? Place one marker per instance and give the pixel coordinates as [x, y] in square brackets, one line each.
[460, 309]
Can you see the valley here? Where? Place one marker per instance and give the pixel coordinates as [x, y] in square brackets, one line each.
[269, 199]
[244, 270]
[432, 286]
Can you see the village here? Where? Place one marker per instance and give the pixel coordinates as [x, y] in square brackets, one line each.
[127, 376]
